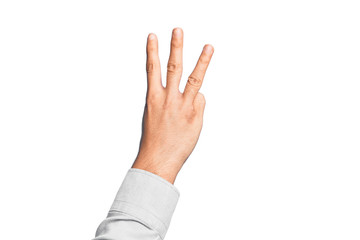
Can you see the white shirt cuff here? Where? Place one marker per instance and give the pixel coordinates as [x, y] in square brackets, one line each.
[148, 198]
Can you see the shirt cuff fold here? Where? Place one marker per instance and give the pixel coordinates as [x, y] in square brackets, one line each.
[147, 197]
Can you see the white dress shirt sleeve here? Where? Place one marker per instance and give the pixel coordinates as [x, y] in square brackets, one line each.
[142, 209]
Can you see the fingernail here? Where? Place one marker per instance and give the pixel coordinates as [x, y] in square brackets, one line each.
[177, 32]
[208, 48]
[151, 36]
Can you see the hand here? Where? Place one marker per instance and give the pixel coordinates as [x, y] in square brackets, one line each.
[172, 120]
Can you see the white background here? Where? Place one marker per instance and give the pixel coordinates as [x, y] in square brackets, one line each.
[278, 156]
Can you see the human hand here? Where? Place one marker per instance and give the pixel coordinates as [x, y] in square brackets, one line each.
[172, 120]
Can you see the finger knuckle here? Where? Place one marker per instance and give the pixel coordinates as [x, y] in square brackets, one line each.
[194, 81]
[150, 67]
[153, 98]
[205, 60]
[176, 44]
[168, 105]
[173, 67]
[151, 48]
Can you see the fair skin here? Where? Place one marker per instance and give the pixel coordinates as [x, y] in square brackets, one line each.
[172, 119]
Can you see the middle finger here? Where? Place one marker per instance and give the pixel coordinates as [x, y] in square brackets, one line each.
[175, 63]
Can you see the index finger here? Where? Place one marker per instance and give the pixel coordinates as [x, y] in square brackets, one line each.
[153, 64]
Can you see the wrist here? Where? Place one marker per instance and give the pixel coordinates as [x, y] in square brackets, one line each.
[160, 168]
